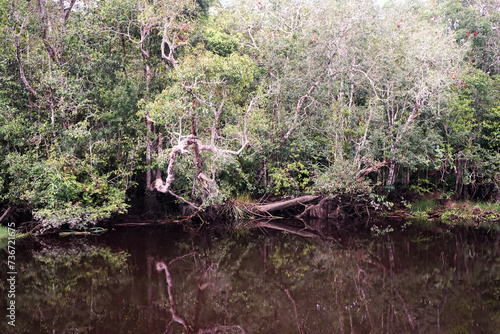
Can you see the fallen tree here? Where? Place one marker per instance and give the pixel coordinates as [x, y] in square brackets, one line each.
[314, 206]
[282, 205]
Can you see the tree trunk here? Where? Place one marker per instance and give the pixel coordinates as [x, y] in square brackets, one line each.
[391, 175]
[148, 155]
[160, 151]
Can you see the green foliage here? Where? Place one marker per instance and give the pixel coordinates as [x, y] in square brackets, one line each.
[63, 191]
[422, 186]
[474, 23]
[221, 43]
[342, 178]
[208, 75]
[479, 215]
[67, 150]
[424, 205]
[4, 232]
[293, 178]
[380, 202]
[491, 130]
[222, 95]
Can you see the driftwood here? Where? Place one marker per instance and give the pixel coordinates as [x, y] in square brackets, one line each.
[282, 205]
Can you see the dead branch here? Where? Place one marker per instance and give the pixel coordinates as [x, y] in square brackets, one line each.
[19, 61]
[164, 187]
[297, 111]
[372, 168]
[184, 200]
[5, 213]
[286, 204]
[171, 46]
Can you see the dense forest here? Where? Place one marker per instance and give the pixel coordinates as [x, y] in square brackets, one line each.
[104, 103]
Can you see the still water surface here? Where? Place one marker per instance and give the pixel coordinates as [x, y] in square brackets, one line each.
[162, 280]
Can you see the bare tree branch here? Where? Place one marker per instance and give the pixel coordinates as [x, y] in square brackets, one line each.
[413, 115]
[297, 111]
[184, 200]
[65, 11]
[5, 213]
[19, 60]
[197, 145]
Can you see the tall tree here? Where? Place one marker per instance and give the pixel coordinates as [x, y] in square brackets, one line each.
[211, 107]
[141, 22]
[349, 72]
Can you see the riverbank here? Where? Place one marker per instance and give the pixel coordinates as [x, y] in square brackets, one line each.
[466, 213]
[432, 209]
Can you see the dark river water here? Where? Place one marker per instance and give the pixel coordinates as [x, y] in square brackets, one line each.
[261, 280]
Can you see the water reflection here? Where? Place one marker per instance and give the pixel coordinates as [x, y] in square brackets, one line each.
[259, 281]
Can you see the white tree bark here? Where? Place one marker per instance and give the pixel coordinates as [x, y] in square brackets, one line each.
[196, 145]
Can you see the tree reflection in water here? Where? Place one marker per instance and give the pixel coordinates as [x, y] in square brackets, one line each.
[162, 266]
[262, 281]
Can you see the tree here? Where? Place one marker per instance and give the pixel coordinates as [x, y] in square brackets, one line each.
[211, 107]
[65, 155]
[409, 64]
[478, 23]
[139, 23]
[351, 78]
